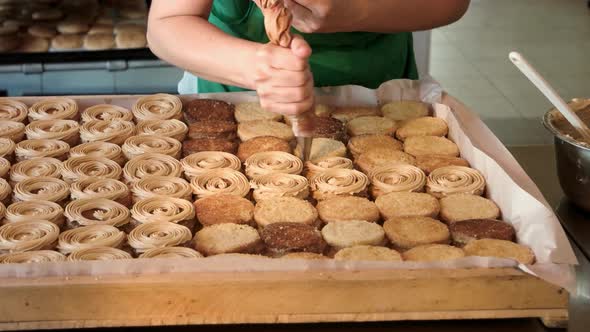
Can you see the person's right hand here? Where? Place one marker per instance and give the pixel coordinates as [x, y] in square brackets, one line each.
[283, 79]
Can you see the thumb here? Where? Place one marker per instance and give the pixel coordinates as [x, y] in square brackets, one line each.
[300, 47]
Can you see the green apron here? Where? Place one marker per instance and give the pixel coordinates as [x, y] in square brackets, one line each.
[359, 58]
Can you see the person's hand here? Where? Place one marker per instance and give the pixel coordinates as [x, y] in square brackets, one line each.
[283, 79]
[311, 16]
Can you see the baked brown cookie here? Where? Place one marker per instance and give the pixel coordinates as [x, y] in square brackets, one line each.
[382, 157]
[466, 231]
[42, 31]
[199, 145]
[409, 232]
[99, 41]
[358, 145]
[406, 204]
[208, 109]
[329, 128]
[429, 145]
[371, 125]
[252, 129]
[262, 144]
[284, 238]
[30, 44]
[9, 43]
[426, 126]
[67, 42]
[72, 27]
[430, 162]
[347, 208]
[131, 39]
[213, 129]
[101, 29]
[224, 208]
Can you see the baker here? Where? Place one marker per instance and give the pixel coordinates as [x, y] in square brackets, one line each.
[359, 42]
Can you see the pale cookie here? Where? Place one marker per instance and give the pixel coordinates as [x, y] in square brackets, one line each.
[67, 42]
[346, 114]
[47, 15]
[72, 27]
[99, 41]
[353, 233]
[371, 125]
[409, 232]
[252, 129]
[101, 29]
[427, 126]
[42, 31]
[253, 111]
[405, 110]
[429, 145]
[305, 255]
[500, 249]
[363, 143]
[262, 144]
[323, 148]
[368, 253]
[433, 253]
[428, 163]
[347, 208]
[131, 39]
[285, 209]
[464, 207]
[227, 239]
[383, 157]
[406, 204]
[33, 45]
[224, 208]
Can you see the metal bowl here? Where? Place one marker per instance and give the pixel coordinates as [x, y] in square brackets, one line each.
[573, 159]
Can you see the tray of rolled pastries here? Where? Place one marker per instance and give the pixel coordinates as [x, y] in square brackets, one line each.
[119, 184]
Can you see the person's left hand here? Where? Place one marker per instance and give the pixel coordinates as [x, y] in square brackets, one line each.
[311, 16]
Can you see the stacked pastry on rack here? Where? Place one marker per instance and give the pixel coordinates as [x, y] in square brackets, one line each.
[206, 178]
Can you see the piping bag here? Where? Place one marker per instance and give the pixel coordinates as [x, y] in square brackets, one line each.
[277, 22]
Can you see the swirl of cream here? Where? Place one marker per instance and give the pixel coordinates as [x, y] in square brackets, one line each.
[7, 147]
[98, 254]
[151, 164]
[75, 169]
[263, 163]
[115, 131]
[169, 128]
[324, 164]
[35, 209]
[12, 110]
[201, 162]
[12, 130]
[220, 181]
[65, 130]
[106, 112]
[99, 211]
[99, 149]
[92, 188]
[396, 178]
[4, 168]
[38, 148]
[28, 235]
[5, 191]
[171, 252]
[41, 189]
[451, 180]
[158, 235]
[166, 209]
[57, 108]
[339, 182]
[34, 168]
[2, 210]
[137, 145]
[280, 185]
[157, 107]
[90, 237]
[161, 186]
[28, 257]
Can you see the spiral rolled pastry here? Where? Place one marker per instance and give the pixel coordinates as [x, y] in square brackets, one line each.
[451, 180]
[34, 168]
[263, 163]
[100, 211]
[12, 110]
[161, 186]
[36, 209]
[170, 128]
[98, 254]
[201, 162]
[280, 185]
[38, 148]
[396, 178]
[157, 107]
[5, 191]
[4, 168]
[92, 188]
[220, 181]
[165, 209]
[106, 112]
[12, 130]
[90, 237]
[99, 149]
[7, 147]
[28, 235]
[151, 164]
[339, 182]
[324, 164]
[75, 169]
[171, 252]
[157, 235]
[57, 108]
[2, 210]
[115, 132]
[28, 257]
[137, 145]
[41, 189]
[65, 130]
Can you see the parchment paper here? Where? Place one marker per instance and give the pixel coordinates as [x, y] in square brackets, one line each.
[519, 199]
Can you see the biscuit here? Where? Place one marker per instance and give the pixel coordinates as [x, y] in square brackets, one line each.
[47, 15]
[405, 110]
[406, 204]
[262, 144]
[126, 28]
[409, 232]
[284, 238]
[9, 43]
[72, 27]
[346, 209]
[284, 210]
[227, 239]
[253, 111]
[500, 249]
[130, 39]
[346, 114]
[383, 157]
[213, 129]
[67, 42]
[99, 41]
[323, 148]
[305, 256]
[252, 129]
[224, 208]
[371, 125]
[132, 13]
[353, 233]
[433, 253]
[427, 126]
[368, 253]
[208, 109]
[429, 145]
[30, 44]
[199, 145]
[42, 31]
[329, 128]
[363, 143]
[101, 29]
[466, 231]
[461, 207]
[430, 162]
